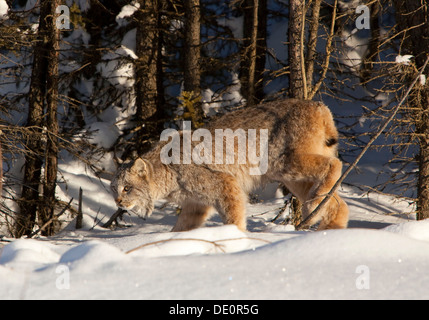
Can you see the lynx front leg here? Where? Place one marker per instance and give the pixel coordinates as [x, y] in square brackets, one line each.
[231, 203]
[193, 215]
[310, 177]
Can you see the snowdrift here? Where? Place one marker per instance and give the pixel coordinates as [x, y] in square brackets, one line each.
[145, 261]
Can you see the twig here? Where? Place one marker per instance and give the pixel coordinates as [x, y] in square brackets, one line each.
[79, 217]
[268, 211]
[304, 223]
[113, 218]
[325, 66]
[167, 240]
[215, 243]
[282, 210]
[96, 222]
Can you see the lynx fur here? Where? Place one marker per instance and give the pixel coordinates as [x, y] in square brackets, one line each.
[302, 154]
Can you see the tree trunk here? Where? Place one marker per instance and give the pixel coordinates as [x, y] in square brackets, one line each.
[254, 50]
[312, 43]
[43, 83]
[192, 57]
[46, 211]
[148, 66]
[413, 15]
[192, 54]
[297, 81]
[374, 43]
[422, 129]
[1, 168]
[423, 177]
[192, 50]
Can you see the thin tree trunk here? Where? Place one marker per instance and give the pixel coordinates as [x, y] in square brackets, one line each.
[192, 56]
[51, 165]
[328, 51]
[148, 66]
[297, 83]
[374, 43]
[45, 55]
[254, 50]
[422, 129]
[312, 43]
[297, 87]
[192, 52]
[423, 178]
[253, 55]
[1, 166]
[410, 14]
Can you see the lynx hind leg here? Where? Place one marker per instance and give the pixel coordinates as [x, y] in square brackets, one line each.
[193, 215]
[317, 175]
[338, 214]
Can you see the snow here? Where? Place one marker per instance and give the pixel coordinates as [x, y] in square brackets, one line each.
[403, 59]
[23, 252]
[233, 97]
[31, 4]
[127, 11]
[312, 265]
[209, 107]
[414, 230]
[355, 48]
[104, 134]
[422, 79]
[118, 73]
[176, 25]
[3, 9]
[235, 25]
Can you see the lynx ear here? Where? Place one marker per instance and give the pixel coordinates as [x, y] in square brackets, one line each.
[141, 167]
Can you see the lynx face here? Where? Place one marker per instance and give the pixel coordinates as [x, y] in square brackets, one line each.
[131, 188]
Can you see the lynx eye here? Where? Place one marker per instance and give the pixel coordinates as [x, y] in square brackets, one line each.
[127, 189]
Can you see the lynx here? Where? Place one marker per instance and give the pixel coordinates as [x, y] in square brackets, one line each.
[302, 155]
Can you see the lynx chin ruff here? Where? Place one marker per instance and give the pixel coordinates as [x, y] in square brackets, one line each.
[302, 146]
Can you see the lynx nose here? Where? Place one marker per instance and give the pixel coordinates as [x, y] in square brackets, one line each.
[118, 201]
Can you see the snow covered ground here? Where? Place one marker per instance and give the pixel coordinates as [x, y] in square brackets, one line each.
[383, 255]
